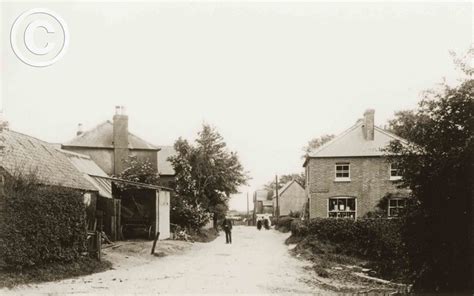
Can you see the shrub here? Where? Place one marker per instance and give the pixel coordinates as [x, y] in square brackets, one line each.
[378, 240]
[284, 224]
[299, 228]
[42, 224]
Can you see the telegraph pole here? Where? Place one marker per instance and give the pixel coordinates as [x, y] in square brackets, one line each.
[248, 212]
[277, 210]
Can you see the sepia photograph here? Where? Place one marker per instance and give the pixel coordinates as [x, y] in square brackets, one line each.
[236, 147]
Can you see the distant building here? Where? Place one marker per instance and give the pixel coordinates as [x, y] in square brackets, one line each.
[261, 203]
[347, 177]
[291, 198]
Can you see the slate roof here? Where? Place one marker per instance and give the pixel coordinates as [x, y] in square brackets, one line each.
[24, 154]
[90, 170]
[164, 166]
[352, 143]
[102, 137]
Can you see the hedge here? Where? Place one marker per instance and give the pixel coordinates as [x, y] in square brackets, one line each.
[378, 240]
[284, 223]
[42, 225]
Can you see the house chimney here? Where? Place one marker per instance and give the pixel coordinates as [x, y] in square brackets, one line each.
[80, 129]
[368, 126]
[120, 140]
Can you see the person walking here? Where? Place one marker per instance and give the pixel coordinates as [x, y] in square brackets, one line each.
[227, 226]
[266, 224]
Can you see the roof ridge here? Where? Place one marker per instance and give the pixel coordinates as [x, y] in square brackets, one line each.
[73, 153]
[390, 134]
[28, 136]
[336, 138]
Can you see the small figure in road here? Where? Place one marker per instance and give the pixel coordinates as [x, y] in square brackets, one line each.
[266, 223]
[259, 224]
[227, 226]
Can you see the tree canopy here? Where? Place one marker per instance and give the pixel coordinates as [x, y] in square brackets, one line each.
[438, 167]
[207, 173]
[316, 143]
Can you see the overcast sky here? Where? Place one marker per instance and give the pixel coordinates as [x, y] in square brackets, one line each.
[268, 76]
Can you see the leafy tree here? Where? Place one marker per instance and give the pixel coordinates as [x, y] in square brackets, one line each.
[438, 168]
[141, 171]
[206, 172]
[316, 143]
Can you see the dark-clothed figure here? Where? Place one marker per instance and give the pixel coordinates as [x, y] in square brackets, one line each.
[259, 224]
[227, 226]
[266, 223]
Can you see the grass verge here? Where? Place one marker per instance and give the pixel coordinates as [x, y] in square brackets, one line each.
[337, 271]
[10, 278]
[205, 235]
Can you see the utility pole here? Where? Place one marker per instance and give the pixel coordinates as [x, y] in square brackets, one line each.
[277, 210]
[248, 212]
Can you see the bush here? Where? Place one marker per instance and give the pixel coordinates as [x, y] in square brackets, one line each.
[42, 224]
[284, 224]
[378, 240]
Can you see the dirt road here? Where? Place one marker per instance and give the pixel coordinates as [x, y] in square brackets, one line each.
[257, 262]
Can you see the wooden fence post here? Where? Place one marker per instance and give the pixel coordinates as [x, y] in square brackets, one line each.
[154, 243]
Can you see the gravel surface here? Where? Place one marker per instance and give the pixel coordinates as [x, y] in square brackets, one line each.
[258, 262]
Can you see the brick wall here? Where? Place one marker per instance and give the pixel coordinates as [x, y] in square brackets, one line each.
[370, 181]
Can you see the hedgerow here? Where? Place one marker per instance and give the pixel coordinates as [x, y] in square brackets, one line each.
[42, 224]
[378, 240]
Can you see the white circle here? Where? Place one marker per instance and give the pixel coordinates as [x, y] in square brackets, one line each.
[14, 34]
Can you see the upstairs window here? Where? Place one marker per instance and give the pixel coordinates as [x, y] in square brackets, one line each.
[395, 206]
[395, 172]
[343, 172]
[342, 207]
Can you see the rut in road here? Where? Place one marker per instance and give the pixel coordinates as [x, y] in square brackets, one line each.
[258, 262]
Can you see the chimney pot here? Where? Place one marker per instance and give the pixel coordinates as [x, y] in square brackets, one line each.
[80, 129]
[117, 110]
[369, 125]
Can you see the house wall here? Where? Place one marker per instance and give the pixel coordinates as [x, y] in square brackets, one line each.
[291, 200]
[104, 157]
[370, 181]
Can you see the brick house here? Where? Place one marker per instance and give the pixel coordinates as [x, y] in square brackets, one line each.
[291, 198]
[348, 176]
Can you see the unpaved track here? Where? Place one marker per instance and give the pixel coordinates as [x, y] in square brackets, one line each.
[257, 262]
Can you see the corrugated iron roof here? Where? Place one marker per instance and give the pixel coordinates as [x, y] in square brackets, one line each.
[102, 136]
[25, 154]
[164, 165]
[352, 143]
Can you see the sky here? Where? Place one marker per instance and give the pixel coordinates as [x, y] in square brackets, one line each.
[268, 76]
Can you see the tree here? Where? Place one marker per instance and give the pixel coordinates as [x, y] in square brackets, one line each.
[438, 167]
[141, 171]
[316, 143]
[206, 172]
